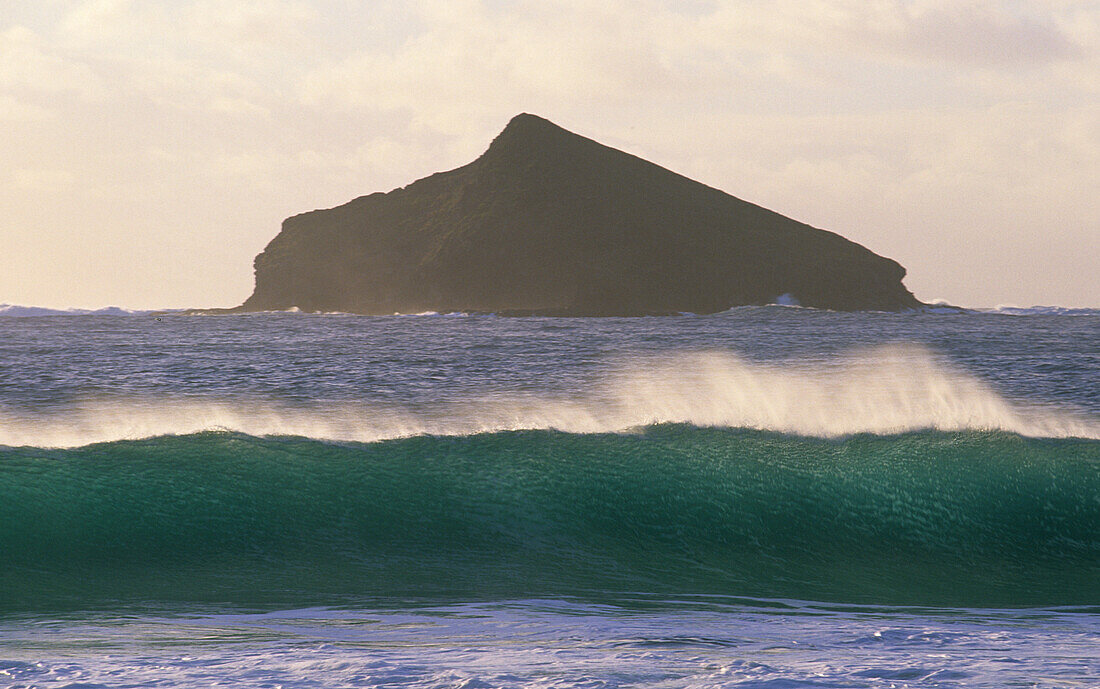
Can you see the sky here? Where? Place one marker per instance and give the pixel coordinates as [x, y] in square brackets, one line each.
[149, 150]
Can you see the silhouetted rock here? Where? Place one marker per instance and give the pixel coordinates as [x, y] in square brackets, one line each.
[549, 222]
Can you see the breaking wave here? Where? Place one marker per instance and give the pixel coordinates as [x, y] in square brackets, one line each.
[888, 390]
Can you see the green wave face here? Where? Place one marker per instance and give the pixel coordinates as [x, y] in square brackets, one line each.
[968, 519]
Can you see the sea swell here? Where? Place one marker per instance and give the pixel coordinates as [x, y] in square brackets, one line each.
[988, 519]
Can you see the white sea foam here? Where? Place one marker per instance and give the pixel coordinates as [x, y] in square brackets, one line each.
[1010, 310]
[786, 299]
[886, 390]
[556, 644]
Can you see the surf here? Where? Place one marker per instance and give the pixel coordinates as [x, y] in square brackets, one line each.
[884, 390]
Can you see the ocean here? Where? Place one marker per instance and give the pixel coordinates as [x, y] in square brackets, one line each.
[767, 497]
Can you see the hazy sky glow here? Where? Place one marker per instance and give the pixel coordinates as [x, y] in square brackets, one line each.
[151, 149]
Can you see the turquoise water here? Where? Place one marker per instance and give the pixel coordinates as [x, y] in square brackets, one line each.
[768, 497]
[965, 519]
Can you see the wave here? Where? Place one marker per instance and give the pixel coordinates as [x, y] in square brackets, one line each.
[887, 390]
[1041, 311]
[17, 311]
[930, 518]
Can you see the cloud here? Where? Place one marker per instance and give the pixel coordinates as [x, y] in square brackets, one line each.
[251, 24]
[42, 180]
[28, 63]
[971, 33]
[14, 110]
[476, 59]
[963, 33]
[199, 56]
[238, 107]
[99, 19]
[189, 84]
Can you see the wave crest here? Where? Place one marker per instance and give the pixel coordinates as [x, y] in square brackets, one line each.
[887, 390]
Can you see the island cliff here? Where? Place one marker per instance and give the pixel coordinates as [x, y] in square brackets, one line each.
[549, 222]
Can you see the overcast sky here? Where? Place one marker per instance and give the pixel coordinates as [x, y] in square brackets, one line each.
[148, 150]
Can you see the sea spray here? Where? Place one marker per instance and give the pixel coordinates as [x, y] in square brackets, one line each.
[885, 390]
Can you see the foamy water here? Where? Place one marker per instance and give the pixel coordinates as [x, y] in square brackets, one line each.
[556, 645]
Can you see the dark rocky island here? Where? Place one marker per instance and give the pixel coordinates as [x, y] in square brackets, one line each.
[549, 222]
